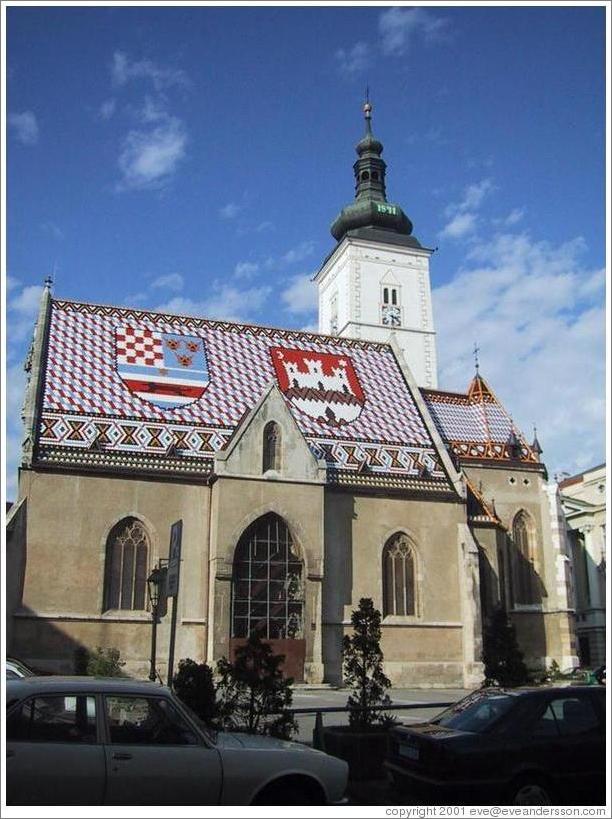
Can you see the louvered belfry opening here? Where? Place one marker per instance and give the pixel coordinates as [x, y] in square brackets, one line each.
[127, 557]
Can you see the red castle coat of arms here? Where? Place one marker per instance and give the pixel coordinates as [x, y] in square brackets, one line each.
[167, 369]
[321, 385]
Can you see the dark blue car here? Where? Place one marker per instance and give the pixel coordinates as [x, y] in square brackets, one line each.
[523, 746]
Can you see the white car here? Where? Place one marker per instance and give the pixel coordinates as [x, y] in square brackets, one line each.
[92, 741]
[15, 669]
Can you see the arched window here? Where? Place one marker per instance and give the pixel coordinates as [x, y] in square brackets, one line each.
[374, 176]
[365, 176]
[524, 559]
[271, 447]
[398, 576]
[268, 582]
[127, 558]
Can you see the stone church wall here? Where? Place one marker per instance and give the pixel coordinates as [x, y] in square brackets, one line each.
[424, 649]
[69, 520]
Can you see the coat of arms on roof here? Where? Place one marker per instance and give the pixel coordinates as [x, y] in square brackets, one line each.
[167, 369]
[321, 385]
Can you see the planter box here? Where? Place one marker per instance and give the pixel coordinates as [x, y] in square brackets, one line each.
[365, 751]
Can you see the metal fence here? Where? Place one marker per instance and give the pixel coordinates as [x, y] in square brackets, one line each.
[318, 740]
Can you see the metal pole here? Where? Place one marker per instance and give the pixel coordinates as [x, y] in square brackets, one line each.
[172, 641]
[152, 671]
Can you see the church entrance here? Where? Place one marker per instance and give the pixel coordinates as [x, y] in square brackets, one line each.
[268, 592]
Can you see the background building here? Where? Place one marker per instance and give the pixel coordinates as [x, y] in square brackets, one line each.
[584, 503]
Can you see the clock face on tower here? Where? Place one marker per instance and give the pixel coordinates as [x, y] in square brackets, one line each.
[391, 315]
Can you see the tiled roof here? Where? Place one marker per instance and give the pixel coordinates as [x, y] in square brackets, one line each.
[475, 425]
[133, 390]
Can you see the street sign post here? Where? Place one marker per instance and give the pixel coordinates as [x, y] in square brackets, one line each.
[172, 587]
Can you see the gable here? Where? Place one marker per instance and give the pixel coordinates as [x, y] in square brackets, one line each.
[134, 390]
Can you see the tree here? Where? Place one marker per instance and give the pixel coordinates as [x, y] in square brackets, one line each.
[252, 691]
[194, 685]
[502, 658]
[363, 669]
[105, 662]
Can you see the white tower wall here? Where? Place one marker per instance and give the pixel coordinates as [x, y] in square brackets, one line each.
[351, 283]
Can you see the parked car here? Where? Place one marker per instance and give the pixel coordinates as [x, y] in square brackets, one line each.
[524, 746]
[600, 674]
[94, 741]
[14, 669]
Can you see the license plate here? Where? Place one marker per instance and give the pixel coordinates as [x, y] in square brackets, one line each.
[409, 751]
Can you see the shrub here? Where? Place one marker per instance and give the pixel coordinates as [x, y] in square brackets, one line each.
[105, 662]
[252, 689]
[194, 685]
[502, 658]
[363, 669]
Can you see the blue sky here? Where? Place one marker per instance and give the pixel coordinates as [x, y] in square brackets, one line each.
[194, 158]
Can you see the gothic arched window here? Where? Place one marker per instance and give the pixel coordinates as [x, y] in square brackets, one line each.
[525, 578]
[271, 447]
[398, 576]
[268, 582]
[127, 558]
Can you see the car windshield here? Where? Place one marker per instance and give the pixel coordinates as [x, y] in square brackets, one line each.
[477, 712]
[208, 732]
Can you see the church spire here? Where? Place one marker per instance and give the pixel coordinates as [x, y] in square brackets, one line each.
[370, 168]
[370, 215]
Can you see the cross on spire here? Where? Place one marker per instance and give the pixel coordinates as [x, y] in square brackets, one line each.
[476, 361]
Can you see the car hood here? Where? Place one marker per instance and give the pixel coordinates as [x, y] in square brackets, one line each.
[429, 730]
[231, 740]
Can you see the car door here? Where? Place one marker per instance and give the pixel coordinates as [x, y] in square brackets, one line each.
[155, 757]
[53, 753]
[581, 761]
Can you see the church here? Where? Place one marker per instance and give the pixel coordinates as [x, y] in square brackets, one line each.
[308, 470]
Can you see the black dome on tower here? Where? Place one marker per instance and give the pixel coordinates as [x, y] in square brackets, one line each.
[370, 215]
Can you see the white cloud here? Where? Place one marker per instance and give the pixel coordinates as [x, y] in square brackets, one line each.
[14, 396]
[514, 217]
[52, 229]
[153, 110]
[171, 281]
[25, 127]
[229, 211]
[301, 296]
[298, 253]
[124, 70]
[244, 270]
[262, 226]
[537, 314]
[463, 219]
[474, 194]
[353, 60]
[149, 158]
[399, 27]
[226, 302]
[107, 109]
[459, 226]
[22, 309]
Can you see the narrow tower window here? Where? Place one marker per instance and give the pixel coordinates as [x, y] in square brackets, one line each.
[386, 295]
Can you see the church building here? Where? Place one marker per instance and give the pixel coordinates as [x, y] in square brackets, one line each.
[309, 470]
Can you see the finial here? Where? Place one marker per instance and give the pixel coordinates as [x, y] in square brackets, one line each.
[49, 282]
[367, 110]
[476, 361]
[535, 446]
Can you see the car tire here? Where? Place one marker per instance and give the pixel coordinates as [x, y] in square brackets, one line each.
[285, 795]
[531, 790]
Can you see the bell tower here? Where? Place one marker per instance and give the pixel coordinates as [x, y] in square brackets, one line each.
[376, 280]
